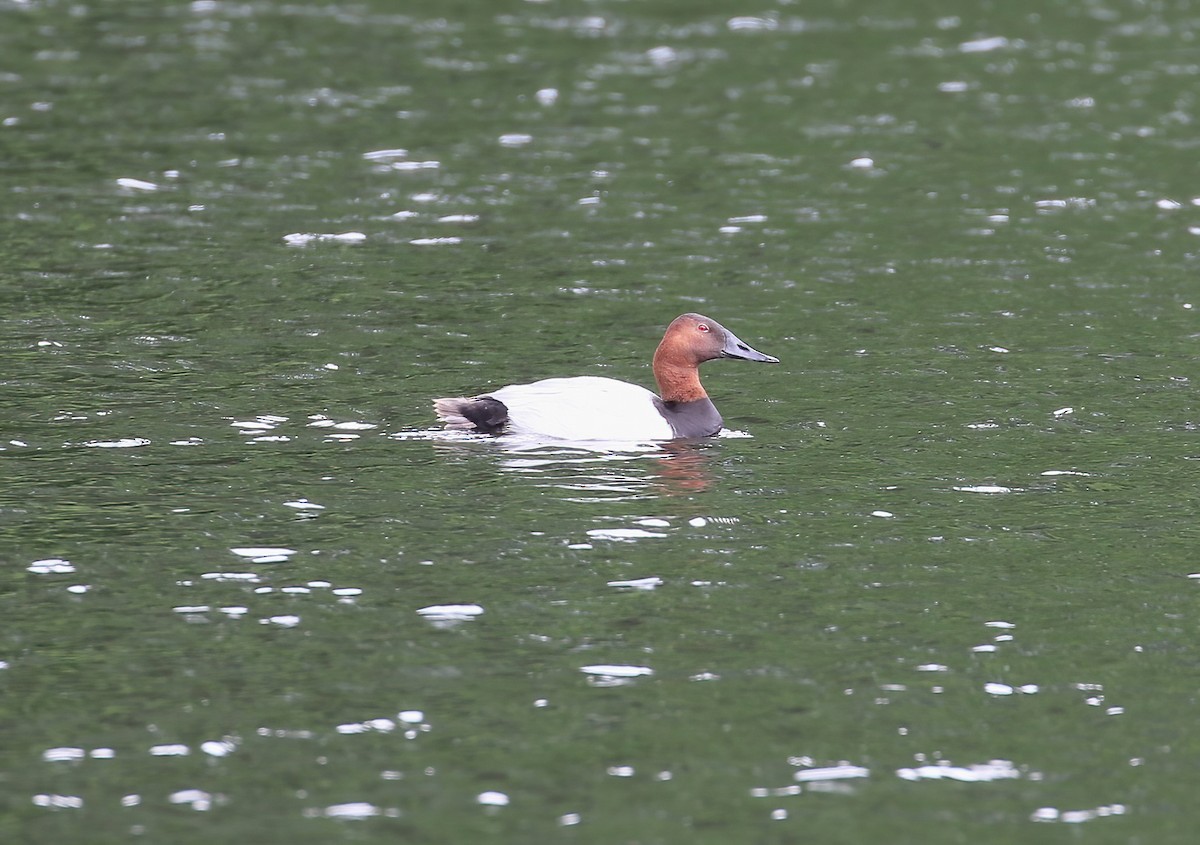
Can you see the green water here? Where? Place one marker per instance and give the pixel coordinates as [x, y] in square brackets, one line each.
[940, 594]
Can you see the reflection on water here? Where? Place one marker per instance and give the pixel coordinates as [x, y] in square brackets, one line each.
[589, 472]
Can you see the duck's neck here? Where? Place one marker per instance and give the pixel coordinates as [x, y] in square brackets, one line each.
[677, 382]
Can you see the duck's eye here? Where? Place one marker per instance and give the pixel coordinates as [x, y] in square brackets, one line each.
[703, 327]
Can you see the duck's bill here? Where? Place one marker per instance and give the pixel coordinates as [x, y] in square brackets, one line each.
[735, 348]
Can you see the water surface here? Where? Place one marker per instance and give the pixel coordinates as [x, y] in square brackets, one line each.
[938, 584]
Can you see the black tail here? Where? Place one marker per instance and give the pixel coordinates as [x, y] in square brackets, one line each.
[482, 413]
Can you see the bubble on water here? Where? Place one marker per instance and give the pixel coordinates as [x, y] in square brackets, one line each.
[547, 96]
[984, 488]
[123, 443]
[218, 748]
[492, 799]
[515, 139]
[435, 241]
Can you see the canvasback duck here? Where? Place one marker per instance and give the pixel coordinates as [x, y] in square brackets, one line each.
[596, 408]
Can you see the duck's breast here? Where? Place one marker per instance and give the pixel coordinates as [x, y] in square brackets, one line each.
[584, 408]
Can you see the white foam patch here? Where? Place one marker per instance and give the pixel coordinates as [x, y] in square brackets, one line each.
[639, 583]
[385, 155]
[170, 750]
[616, 670]
[197, 799]
[63, 755]
[264, 554]
[221, 577]
[974, 773]
[130, 184]
[843, 772]
[352, 810]
[285, 621]
[450, 612]
[305, 238]
[51, 566]
[624, 534]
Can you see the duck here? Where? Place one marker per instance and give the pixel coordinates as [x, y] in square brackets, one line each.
[595, 408]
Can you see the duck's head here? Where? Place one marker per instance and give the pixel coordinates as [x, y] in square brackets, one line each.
[692, 339]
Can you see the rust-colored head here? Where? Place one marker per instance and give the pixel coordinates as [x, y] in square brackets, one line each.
[689, 341]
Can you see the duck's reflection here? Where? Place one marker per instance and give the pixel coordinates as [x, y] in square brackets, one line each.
[609, 472]
[685, 468]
